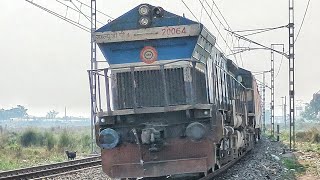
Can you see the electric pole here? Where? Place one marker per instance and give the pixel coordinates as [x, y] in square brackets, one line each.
[284, 112]
[291, 76]
[93, 67]
[264, 101]
[272, 92]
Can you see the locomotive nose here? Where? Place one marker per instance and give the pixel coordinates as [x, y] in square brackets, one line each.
[108, 138]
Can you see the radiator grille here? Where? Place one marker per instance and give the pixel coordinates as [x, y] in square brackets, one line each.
[146, 88]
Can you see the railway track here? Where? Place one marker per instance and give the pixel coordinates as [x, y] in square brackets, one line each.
[52, 170]
[222, 169]
[43, 171]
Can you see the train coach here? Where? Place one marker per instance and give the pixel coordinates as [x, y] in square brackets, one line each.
[173, 104]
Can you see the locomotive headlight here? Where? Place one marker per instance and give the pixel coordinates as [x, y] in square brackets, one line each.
[195, 131]
[158, 12]
[144, 21]
[108, 138]
[102, 120]
[144, 10]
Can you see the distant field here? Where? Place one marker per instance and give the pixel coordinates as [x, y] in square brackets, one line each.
[45, 142]
[44, 123]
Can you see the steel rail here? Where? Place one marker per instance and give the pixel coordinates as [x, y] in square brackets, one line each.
[225, 167]
[53, 176]
[51, 169]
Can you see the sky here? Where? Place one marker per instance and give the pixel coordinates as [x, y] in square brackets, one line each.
[44, 60]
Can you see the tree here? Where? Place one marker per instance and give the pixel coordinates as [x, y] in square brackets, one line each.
[309, 113]
[16, 112]
[312, 109]
[52, 114]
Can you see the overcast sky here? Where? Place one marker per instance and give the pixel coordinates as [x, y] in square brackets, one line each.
[44, 60]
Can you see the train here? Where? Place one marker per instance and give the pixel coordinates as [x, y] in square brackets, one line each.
[170, 103]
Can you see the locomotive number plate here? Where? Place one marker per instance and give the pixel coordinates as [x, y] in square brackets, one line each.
[148, 33]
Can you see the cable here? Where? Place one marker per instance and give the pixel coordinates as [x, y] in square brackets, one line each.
[221, 14]
[79, 11]
[60, 16]
[203, 8]
[214, 14]
[190, 11]
[97, 10]
[232, 42]
[266, 30]
[217, 29]
[304, 16]
[240, 53]
[201, 12]
[279, 67]
[198, 21]
[260, 29]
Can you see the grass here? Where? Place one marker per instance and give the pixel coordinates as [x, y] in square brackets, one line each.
[32, 147]
[292, 163]
[307, 148]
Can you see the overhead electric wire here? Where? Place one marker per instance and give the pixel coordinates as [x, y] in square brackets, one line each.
[229, 27]
[216, 28]
[190, 11]
[260, 29]
[260, 72]
[251, 41]
[304, 16]
[60, 16]
[221, 14]
[263, 84]
[201, 13]
[220, 23]
[279, 67]
[78, 10]
[240, 53]
[96, 10]
[214, 14]
[197, 20]
[266, 30]
[280, 64]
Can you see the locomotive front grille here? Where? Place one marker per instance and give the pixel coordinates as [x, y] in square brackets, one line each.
[156, 88]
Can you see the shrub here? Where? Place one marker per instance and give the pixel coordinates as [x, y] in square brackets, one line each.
[85, 141]
[66, 140]
[301, 136]
[312, 135]
[315, 138]
[31, 137]
[50, 141]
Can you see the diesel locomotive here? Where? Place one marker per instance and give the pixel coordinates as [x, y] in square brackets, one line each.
[170, 102]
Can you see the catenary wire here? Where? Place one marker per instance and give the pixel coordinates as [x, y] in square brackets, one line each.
[216, 28]
[97, 10]
[304, 16]
[190, 11]
[229, 27]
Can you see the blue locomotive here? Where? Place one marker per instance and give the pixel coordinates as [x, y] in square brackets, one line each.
[173, 103]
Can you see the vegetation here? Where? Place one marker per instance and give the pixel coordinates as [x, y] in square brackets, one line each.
[16, 112]
[33, 146]
[307, 153]
[312, 109]
[52, 114]
[292, 163]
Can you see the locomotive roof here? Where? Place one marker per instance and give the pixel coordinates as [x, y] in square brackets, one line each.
[129, 21]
